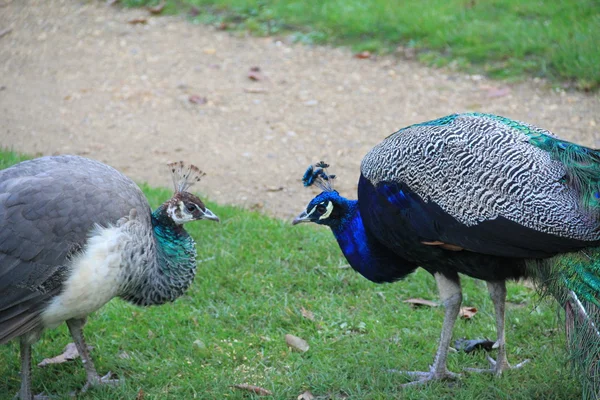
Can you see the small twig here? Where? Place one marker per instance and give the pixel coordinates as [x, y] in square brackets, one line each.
[5, 32]
[206, 259]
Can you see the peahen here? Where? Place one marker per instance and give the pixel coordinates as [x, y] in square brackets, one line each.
[74, 233]
[484, 196]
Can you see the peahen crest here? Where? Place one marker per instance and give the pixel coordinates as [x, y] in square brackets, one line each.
[184, 175]
[317, 175]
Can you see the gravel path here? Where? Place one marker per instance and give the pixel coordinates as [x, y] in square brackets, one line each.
[78, 77]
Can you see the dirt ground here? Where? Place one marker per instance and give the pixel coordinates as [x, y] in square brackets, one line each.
[77, 77]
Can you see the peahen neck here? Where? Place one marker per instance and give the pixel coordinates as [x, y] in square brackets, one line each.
[168, 272]
[364, 253]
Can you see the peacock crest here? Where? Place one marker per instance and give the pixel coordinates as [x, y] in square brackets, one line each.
[184, 175]
[317, 175]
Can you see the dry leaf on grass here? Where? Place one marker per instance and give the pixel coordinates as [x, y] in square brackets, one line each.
[255, 75]
[306, 396]
[137, 21]
[254, 389]
[69, 353]
[467, 312]
[195, 99]
[363, 55]
[468, 346]
[255, 90]
[140, 395]
[297, 343]
[157, 9]
[421, 302]
[307, 314]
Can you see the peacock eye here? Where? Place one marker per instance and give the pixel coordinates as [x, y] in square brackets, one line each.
[321, 209]
[191, 207]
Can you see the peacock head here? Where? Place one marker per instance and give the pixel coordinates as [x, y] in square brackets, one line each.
[328, 208]
[183, 206]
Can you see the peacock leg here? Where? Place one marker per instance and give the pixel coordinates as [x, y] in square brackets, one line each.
[93, 379]
[497, 290]
[451, 296]
[25, 392]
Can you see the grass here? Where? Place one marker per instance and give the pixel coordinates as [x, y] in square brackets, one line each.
[255, 276]
[553, 39]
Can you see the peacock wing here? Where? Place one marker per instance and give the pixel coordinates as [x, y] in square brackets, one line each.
[47, 208]
[479, 182]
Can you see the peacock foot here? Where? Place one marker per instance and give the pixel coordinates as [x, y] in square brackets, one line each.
[37, 397]
[423, 377]
[497, 368]
[100, 380]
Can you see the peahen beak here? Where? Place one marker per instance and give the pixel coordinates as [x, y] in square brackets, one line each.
[303, 217]
[209, 215]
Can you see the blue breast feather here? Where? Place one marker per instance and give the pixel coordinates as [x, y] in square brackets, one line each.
[366, 255]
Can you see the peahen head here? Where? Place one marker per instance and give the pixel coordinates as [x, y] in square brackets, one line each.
[328, 208]
[183, 206]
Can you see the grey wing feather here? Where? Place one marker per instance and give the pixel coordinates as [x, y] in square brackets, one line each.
[47, 208]
[477, 168]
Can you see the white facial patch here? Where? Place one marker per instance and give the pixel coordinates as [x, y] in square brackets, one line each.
[178, 213]
[328, 212]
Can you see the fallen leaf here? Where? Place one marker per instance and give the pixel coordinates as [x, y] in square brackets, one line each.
[296, 343]
[157, 9]
[363, 55]
[209, 51]
[255, 75]
[421, 302]
[254, 389]
[69, 353]
[498, 92]
[137, 21]
[195, 99]
[140, 395]
[467, 312]
[306, 396]
[307, 314]
[470, 345]
[223, 26]
[5, 32]
[274, 188]
[255, 90]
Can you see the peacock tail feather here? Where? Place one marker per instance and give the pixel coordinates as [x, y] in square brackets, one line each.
[574, 280]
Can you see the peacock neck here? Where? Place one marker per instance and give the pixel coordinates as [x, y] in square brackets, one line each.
[364, 253]
[170, 270]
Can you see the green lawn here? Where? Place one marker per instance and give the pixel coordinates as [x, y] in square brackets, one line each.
[554, 39]
[255, 276]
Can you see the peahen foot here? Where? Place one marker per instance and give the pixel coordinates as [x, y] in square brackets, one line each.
[497, 368]
[427, 376]
[100, 380]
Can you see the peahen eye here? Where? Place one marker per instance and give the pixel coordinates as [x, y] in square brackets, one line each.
[191, 207]
[321, 209]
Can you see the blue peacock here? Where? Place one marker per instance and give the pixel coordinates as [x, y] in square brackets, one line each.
[480, 195]
[74, 234]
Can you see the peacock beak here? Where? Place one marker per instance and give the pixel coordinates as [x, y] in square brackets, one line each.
[303, 217]
[209, 215]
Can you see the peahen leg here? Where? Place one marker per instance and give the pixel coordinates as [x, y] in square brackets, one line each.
[497, 290]
[451, 296]
[93, 379]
